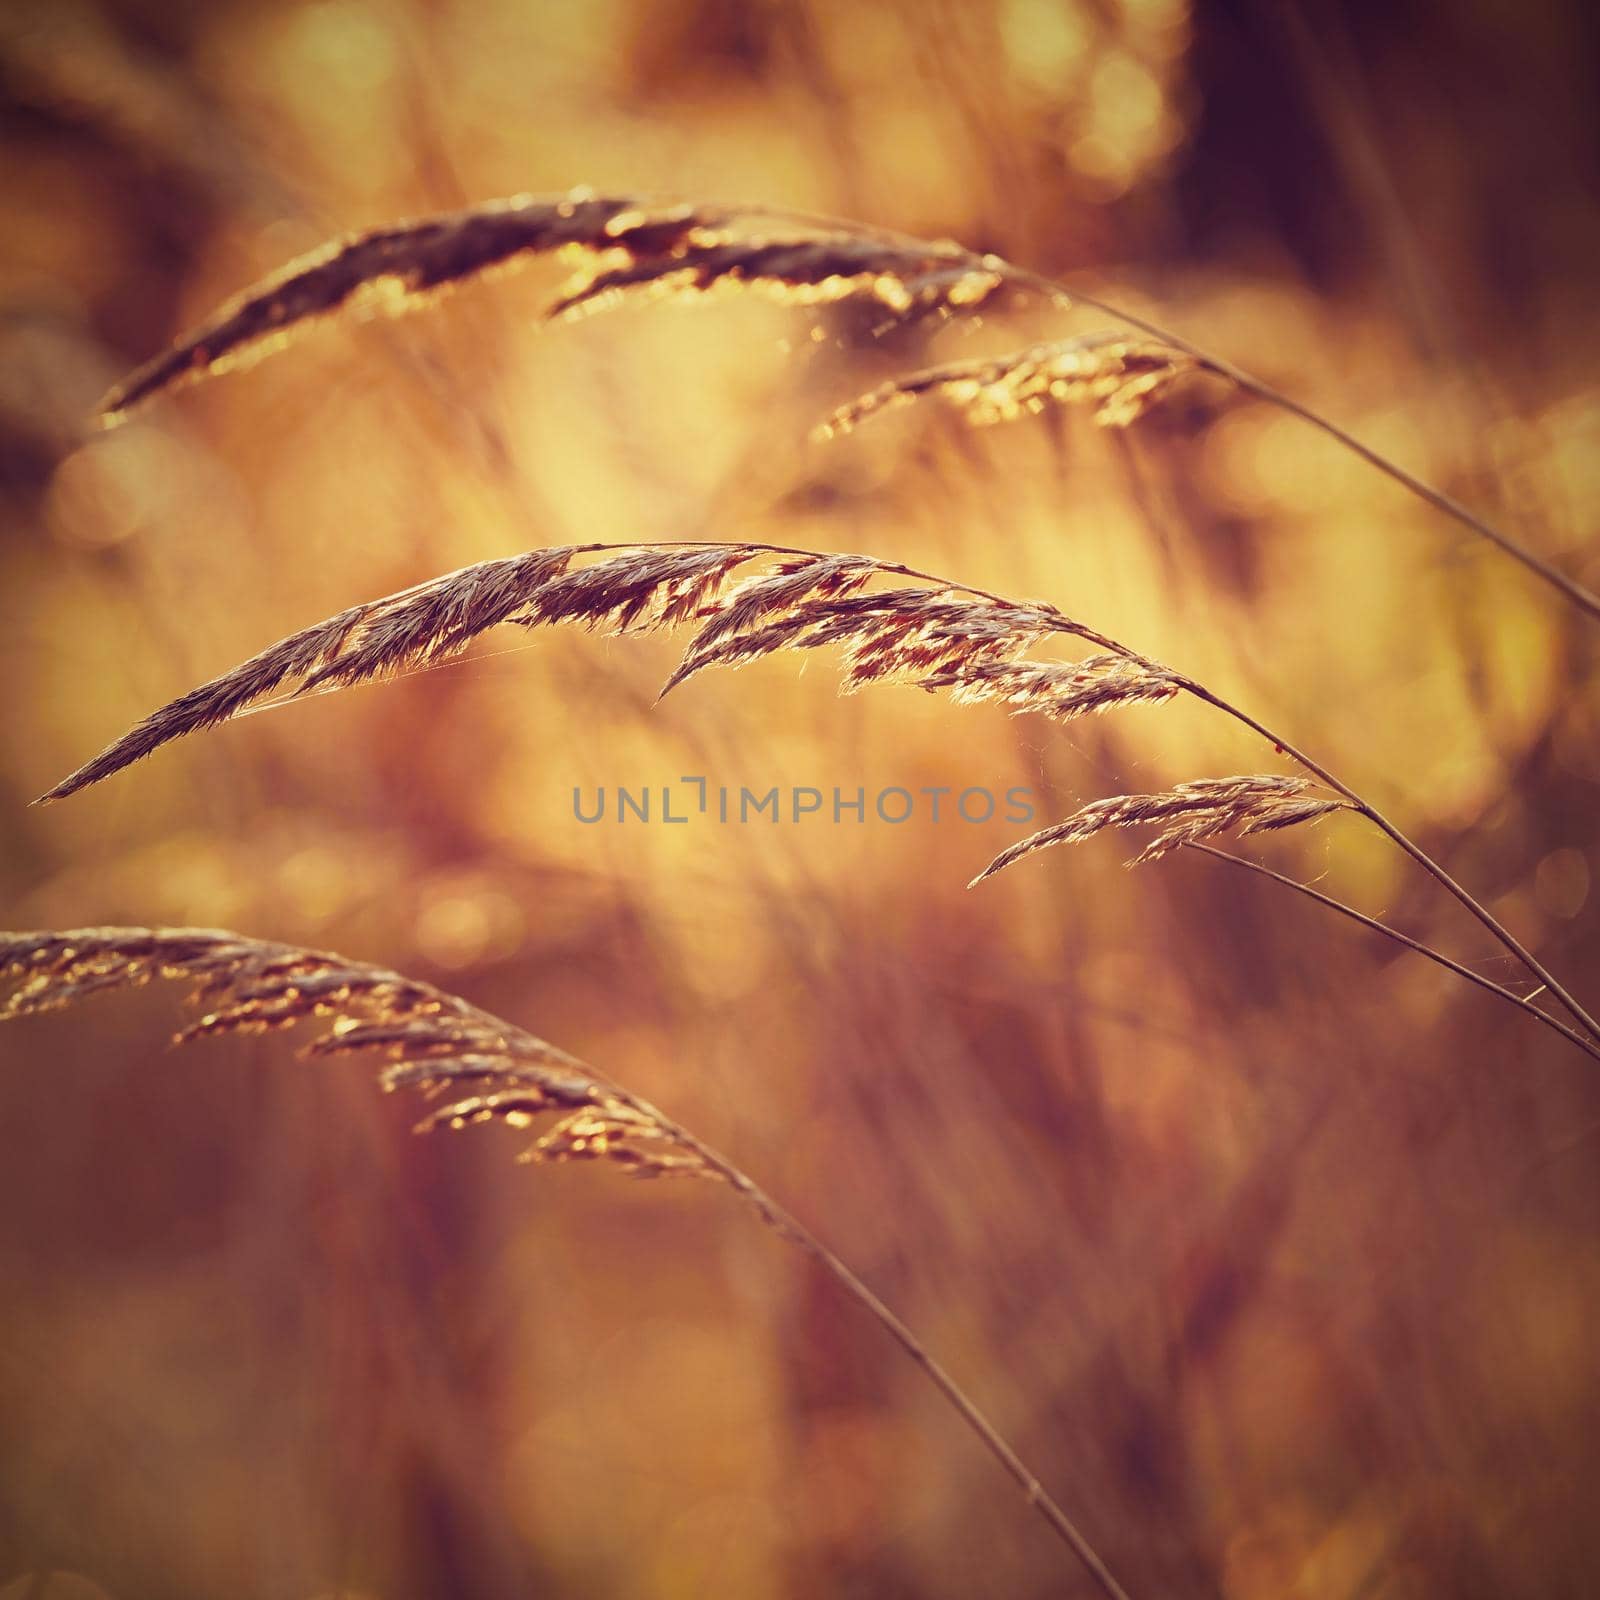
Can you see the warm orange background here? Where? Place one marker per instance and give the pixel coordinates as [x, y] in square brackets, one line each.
[1272, 1249]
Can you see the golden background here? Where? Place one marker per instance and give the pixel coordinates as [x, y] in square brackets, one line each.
[1271, 1248]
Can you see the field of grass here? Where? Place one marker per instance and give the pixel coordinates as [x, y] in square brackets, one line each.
[1251, 1241]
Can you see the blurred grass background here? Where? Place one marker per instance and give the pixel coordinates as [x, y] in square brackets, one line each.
[1272, 1250]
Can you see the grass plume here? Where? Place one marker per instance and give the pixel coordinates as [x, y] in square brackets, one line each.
[404, 266]
[481, 1067]
[1120, 379]
[625, 248]
[1200, 809]
[932, 633]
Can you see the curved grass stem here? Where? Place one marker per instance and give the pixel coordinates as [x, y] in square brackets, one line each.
[1571, 1034]
[1498, 929]
[797, 1234]
[1584, 599]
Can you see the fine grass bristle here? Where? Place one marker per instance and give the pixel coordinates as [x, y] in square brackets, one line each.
[1060, 689]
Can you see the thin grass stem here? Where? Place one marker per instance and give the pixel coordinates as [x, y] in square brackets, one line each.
[785, 1224]
[1438, 956]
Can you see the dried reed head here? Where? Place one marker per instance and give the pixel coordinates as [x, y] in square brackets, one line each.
[1121, 378]
[626, 247]
[483, 1069]
[400, 268]
[1185, 814]
[930, 633]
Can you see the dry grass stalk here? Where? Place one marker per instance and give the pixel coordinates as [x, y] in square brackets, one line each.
[1590, 1047]
[1192, 811]
[485, 1069]
[632, 245]
[403, 267]
[936, 634]
[1122, 379]
[627, 247]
